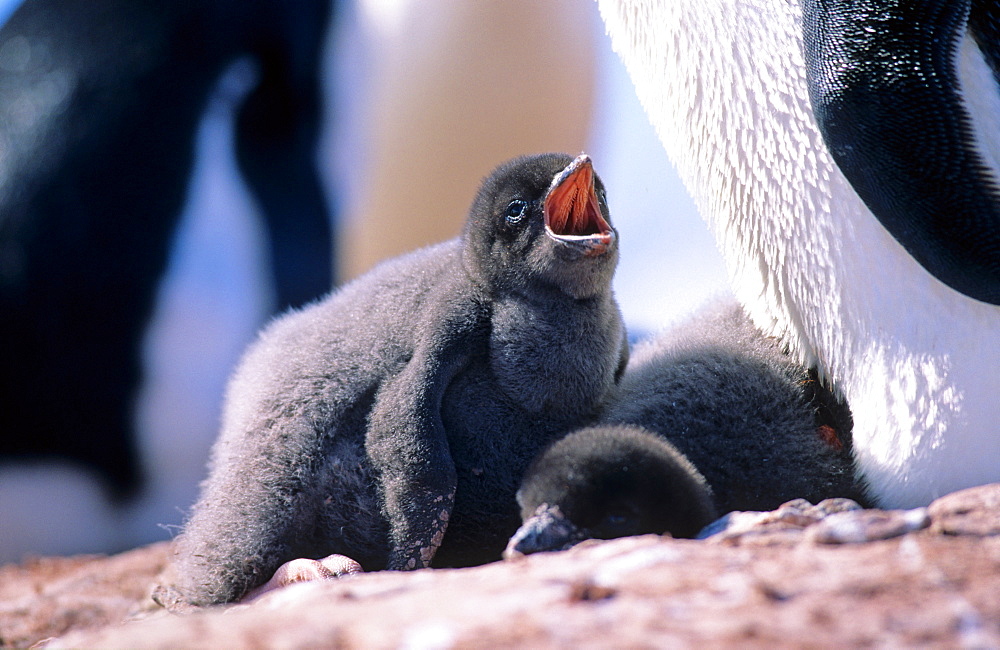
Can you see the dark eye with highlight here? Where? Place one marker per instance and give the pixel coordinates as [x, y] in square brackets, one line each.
[516, 211]
[616, 521]
[618, 524]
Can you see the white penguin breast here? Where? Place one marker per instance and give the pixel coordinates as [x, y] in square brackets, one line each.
[724, 84]
[981, 94]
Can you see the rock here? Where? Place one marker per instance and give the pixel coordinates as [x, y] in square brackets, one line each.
[938, 585]
[859, 526]
[833, 521]
[968, 512]
[785, 525]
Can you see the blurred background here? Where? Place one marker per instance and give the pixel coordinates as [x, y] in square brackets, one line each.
[421, 100]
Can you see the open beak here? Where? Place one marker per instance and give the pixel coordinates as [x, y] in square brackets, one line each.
[572, 211]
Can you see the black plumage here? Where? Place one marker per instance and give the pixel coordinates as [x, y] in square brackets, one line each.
[604, 482]
[886, 85]
[720, 412]
[392, 421]
[100, 102]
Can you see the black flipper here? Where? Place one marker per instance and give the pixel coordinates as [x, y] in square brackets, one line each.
[407, 441]
[885, 91]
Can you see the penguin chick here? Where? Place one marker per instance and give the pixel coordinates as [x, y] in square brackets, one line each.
[757, 424]
[737, 420]
[605, 482]
[391, 422]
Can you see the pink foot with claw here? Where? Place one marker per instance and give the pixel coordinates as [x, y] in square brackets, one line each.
[304, 570]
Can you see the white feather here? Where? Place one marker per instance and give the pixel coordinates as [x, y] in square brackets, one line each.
[723, 82]
[982, 98]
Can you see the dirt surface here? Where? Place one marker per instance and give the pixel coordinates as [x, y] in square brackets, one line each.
[47, 597]
[781, 579]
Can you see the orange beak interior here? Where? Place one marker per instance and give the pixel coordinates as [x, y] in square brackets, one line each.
[571, 206]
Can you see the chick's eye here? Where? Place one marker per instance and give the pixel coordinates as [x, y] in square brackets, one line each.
[602, 196]
[516, 211]
[616, 521]
[619, 524]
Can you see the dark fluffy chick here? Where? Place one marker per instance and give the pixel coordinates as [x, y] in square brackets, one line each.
[722, 416]
[392, 421]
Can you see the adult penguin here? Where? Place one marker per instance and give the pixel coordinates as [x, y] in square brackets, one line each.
[100, 101]
[847, 156]
[391, 422]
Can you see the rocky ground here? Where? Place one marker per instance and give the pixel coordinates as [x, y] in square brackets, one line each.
[796, 577]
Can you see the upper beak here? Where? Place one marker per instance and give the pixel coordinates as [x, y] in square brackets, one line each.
[572, 211]
[546, 530]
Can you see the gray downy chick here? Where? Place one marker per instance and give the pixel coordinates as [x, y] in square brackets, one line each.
[392, 421]
[724, 417]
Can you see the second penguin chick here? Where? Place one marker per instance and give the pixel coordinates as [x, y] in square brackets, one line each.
[731, 412]
[610, 481]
